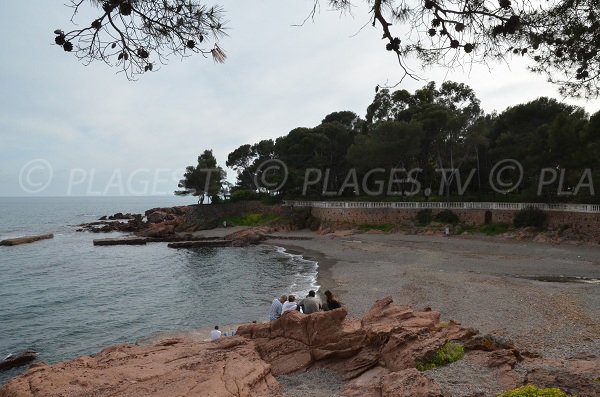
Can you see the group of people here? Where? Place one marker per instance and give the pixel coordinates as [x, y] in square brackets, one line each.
[308, 305]
[286, 303]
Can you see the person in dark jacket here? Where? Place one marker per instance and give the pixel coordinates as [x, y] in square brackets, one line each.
[332, 303]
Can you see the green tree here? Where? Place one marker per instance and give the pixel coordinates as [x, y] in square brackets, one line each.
[204, 179]
[446, 114]
[246, 160]
[390, 145]
[559, 36]
[539, 134]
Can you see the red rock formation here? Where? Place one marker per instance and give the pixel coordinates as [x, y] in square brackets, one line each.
[228, 367]
[375, 355]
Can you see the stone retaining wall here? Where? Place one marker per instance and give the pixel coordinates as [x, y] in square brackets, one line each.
[584, 222]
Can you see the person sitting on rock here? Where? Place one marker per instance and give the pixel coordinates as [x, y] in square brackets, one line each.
[290, 305]
[332, 303]
[215, 333]
[276, 307]
[311, 303]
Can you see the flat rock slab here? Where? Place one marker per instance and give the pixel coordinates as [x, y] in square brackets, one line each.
[26, 239]
[200, 244]
[121, 241]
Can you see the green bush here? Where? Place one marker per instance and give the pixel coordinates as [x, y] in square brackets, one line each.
[424, 217]
[462, 228]
[386, 227]
[532, 391]
[244, 195]
[530, 216]
[251, 219]
[494, 228]
[447, 354]
[446, 216]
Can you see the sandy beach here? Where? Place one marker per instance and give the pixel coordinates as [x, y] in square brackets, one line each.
[485, 283]
[489, 284]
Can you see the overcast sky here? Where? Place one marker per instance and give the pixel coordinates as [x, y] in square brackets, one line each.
[67, 129]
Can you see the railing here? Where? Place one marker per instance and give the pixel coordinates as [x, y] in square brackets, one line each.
[587, 208]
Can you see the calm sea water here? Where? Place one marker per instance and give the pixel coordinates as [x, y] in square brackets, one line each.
[64, 297]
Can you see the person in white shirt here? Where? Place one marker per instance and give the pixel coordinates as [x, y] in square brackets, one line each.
[289, 305]
[215, 333]
[276, 307]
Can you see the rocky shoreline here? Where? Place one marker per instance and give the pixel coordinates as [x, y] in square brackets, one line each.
[374, 355]
[553, 327]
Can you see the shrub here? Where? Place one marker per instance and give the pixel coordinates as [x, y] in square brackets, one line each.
[446, 216]
[244, 195]
[460, 229]
[530, 216]
[251, 219]
[532, 391]
[424, 217]
[447, 354]
[386, 227]
[494, 228]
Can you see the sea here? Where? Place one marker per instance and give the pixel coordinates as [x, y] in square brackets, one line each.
[65, 297]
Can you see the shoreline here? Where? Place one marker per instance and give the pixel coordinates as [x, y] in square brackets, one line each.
[502, 288]
[325, 278]
[476, 282]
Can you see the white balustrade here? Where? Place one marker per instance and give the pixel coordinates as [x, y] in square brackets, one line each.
[586, 208]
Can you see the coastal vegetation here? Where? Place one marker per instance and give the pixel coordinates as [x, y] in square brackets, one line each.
[446, 216]
[533, 391]
[530, 217]
[384, 227]
[435, 144]
[447, 354]
[493, 229]
[252, 219]
[205, 179]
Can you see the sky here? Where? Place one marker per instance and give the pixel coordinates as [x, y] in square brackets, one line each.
[69, 129]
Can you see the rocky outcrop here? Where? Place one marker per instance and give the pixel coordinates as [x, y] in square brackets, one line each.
[158, 223]
[17, 359]
[375, 355]
[250, 236]
[228, 367]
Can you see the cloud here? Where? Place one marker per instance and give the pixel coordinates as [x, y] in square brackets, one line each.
[277, 77]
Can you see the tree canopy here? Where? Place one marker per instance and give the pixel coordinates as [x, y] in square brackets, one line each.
[204, 179]
[436, 143]
[561, 37]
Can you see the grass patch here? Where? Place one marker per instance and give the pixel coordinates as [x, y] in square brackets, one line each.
[532, 391]
[462, 228]
[385, 227]
[447, 354]
[494, 229]
[251, 219]
[443, 324]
